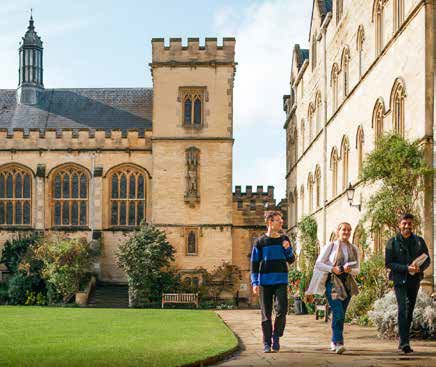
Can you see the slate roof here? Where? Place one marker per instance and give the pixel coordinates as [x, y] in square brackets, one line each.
[93, 108]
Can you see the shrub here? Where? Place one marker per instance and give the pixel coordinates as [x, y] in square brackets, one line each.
[15, 249]
[4, 298]
[20, 284]
[384, 317]
[66, 262]
[146, 258]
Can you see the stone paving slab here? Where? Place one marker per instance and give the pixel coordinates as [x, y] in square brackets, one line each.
[306, 343]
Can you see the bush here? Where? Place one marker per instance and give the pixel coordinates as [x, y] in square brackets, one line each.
[20, 285]
[384, 317]
[4, 298]
[66, 263]
[373, 284]
[15, 249]
[146, 258]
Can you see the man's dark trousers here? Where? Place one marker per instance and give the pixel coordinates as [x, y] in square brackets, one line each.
[406, 294]
[269, 294]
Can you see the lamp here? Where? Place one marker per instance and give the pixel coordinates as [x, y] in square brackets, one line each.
[350, 197]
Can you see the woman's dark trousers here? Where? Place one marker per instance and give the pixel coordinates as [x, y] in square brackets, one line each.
[269, 295]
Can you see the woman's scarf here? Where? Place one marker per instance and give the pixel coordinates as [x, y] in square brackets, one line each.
[341, 290]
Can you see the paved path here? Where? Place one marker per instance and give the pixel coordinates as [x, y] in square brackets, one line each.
[306, 342]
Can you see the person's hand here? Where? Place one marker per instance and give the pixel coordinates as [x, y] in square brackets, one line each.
[347, 268]
[255, 290]
[286, 244]
[413, 268]
[337, 270]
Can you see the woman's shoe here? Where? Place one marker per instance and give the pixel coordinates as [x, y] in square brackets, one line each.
[339, 349]
[332, 347]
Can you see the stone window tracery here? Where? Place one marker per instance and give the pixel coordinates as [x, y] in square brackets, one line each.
[191, 235]
[334, 169]
[345, 151]
[334, 85]
[128, 191]
[397, 107]
[70, 196]
[192, 99]
[377, 119]
[15, 196]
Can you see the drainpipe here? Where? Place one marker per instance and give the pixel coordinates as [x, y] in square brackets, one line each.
[324, 25]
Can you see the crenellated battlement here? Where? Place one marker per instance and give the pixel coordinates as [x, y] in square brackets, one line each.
[74, 139]
[252, 200]
[177, 53]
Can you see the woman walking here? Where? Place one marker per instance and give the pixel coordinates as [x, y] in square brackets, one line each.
[333, 276]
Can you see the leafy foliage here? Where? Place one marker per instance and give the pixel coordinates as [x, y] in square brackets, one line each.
[225, 277]
[384, 316]
[15, 249]
[398, 168]
[309, 250]
[146, 258]
[66, 262]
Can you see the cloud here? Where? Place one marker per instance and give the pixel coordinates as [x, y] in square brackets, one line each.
[265, 35]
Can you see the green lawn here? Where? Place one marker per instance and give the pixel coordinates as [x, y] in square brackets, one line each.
[49, 336]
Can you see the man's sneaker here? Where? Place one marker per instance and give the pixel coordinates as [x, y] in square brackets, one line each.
[332, 347]
[276, 344]
[339, 349]
[406, 349]
[266, 348]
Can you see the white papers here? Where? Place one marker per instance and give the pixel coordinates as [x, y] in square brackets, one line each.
[350, 264]
[419, 261]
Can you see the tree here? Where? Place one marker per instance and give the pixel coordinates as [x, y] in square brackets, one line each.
[398, 168]
[308, 229]
[146, 258]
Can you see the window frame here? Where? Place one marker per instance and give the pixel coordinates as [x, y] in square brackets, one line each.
[83, 172]
[13, 170]
[195, 94]
[196, 232]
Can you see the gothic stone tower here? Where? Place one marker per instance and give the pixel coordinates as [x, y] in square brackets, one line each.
[192, 148]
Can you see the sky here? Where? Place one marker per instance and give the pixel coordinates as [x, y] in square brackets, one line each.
[108, 44]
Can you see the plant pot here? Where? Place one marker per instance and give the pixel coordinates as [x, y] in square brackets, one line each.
[82, 298]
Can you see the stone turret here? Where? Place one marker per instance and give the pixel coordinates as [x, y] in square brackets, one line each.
[30, 71]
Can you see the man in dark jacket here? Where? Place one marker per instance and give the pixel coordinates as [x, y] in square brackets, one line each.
[269, 278]
[401, 251]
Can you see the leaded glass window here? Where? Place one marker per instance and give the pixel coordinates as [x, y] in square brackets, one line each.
[127, 196]
[15, 196]
[70, 196]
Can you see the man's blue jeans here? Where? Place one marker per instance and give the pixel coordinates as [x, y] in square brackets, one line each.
[338, 310]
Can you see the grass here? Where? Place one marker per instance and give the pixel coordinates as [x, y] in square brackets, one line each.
[49, 336]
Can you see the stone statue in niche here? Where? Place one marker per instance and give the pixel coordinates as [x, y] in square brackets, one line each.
[192, 194]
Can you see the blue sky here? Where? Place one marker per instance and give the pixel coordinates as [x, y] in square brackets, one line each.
[107, 44]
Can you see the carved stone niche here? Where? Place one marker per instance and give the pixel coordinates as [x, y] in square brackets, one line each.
[192, 192]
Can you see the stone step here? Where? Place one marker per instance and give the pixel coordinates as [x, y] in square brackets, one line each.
[109, 296]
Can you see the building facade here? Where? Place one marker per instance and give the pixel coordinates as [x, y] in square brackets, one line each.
[95, 163]
[369, 69]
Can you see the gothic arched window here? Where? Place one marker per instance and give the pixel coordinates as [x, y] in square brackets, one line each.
[398, 96]
[310, 118]
[313, 52]
[318, 112]
[318, 185]
[359, 146]
[346, 70]
[398, 14]
[70, 196]
[334, 85]
[378, 17]
[128, 193]
[192, 99]
[334, 169]
[15, 196]
[188, 110]
[359, 44]
[377, 119]
[197, 111]
[302, 133]
[345, 151]
[302, 199]
[191, 235]
[310, 190]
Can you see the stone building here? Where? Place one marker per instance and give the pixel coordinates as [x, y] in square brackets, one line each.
[369, 69]
[96, 162]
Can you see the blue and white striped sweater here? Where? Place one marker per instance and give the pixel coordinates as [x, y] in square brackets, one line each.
[269, 261]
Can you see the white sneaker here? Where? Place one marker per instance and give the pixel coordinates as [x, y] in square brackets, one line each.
[339, 349]
[332, 347]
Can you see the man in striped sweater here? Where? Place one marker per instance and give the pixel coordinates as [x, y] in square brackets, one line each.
[269, 278]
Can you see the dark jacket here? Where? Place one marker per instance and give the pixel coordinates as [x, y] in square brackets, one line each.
[398, 258]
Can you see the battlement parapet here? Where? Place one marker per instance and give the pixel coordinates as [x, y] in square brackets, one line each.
[74, 139]
[248, 195]
[177, 53]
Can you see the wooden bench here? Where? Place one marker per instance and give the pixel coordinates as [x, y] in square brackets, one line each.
[187, 298]
[324, 308]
